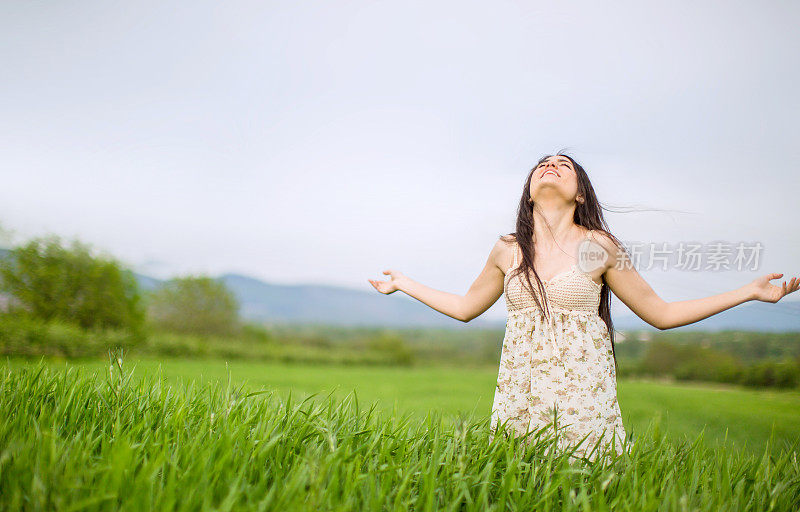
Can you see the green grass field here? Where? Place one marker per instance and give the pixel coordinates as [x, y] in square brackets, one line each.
[85, 438]
[729, 416]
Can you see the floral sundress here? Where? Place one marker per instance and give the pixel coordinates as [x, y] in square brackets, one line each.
[562, 366]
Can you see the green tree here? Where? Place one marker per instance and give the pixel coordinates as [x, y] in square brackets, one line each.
[52, 281]
[194, 305]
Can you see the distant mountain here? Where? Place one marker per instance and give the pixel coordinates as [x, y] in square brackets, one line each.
[333, 305]
[262, 301]
[147, 283]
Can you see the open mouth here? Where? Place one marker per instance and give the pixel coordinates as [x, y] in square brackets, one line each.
[550, 171]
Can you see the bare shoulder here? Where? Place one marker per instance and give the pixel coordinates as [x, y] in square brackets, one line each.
[608, 242]
[502, 252]
[601, 237]
[507, 243]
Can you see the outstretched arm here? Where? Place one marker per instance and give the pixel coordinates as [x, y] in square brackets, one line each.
[627, 284]
[485, 290]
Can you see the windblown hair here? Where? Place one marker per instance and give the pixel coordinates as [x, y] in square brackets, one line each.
[589, 214]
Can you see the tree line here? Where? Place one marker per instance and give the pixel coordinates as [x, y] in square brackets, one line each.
[62, 300]
[53, 281]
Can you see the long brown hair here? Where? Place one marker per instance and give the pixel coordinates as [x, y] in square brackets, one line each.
[588, 214]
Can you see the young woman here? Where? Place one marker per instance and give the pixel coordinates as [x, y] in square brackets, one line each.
[558, 365]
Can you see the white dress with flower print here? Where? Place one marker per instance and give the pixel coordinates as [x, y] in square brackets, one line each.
[562, 366]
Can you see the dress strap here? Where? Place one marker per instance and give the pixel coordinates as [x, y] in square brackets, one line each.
[514, 248]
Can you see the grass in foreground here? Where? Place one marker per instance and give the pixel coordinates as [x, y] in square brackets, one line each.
[729, 416]
[74, 441]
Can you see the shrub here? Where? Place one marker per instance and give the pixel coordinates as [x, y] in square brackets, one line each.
[256, 333]
[22, 334]
[68, 284]
[194, 305]
[712, 366]
[662, 358]
[781, 374]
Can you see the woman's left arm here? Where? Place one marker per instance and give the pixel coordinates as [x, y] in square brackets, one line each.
[627, 284]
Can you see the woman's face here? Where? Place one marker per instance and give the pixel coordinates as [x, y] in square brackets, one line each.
[556, 175]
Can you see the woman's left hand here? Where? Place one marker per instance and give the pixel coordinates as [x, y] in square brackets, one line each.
[764, 291]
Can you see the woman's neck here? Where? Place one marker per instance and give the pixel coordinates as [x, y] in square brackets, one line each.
[552, 223]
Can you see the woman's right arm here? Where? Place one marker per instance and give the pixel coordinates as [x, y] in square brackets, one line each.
[485, 290]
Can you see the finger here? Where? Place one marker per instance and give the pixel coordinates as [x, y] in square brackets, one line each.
[387, 272]
[774, 275]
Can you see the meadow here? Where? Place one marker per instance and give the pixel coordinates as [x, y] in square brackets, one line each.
[729, 416]
[203, 435]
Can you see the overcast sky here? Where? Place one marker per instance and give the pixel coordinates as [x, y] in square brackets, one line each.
[303, 142]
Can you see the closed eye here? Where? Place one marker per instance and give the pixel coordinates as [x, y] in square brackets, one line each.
[562, 163]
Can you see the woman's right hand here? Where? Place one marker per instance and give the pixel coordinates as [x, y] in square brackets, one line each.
[390, 286]
[484, 292]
